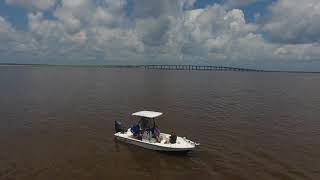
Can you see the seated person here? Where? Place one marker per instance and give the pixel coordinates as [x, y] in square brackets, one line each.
[146, 124]
[145, 130]
[135, 129]
[156, 133]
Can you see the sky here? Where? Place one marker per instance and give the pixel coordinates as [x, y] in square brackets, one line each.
[260, 34]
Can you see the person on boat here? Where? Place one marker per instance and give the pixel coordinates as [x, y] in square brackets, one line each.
[146, 124]
[139, 129]
[156, 133]
[147, 127]
[135, 129]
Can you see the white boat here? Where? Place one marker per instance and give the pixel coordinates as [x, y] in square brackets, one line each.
[164, 142]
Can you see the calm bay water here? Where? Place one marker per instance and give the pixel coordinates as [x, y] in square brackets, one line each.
[57, 123]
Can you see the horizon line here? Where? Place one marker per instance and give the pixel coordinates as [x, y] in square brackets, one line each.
[149, 65]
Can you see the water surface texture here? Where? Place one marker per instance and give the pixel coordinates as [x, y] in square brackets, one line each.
[57, 123]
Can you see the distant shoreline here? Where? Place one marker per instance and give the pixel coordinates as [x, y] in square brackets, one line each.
[157, 67]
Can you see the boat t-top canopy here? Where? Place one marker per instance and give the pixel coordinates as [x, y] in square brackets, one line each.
[147, 114]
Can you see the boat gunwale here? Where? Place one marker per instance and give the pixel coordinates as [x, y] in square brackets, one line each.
[168, 146]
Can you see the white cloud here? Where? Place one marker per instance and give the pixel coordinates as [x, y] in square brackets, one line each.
[301, 52]
[14, 43]
[85, 29]
[211, 32]
[153, 31]
[37, 4]
[294, 21]
[5, 27]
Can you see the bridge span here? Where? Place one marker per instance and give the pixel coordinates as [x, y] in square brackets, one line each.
[198, 68]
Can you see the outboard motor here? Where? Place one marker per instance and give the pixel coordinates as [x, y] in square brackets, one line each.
[118, 127]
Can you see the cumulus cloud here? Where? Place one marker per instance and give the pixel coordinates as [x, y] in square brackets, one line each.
[85, 29]
[211, 31]
[5, 27]
[294, 21]
[302, 52]
[37, 4]
[9, 37]
[14, 43]
[167, 31]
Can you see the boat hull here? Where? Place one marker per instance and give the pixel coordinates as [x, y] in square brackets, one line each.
[181, 145]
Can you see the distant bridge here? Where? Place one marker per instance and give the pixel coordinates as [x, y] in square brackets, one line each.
[164, 67]
[197, 68]
[159, 67]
